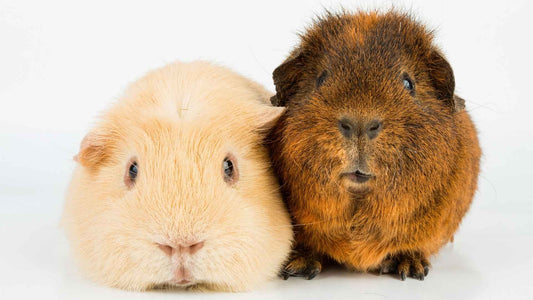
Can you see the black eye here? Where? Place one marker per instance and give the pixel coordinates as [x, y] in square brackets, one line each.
[229, 170]
[408, 84]
[320, 80]
[131, 173]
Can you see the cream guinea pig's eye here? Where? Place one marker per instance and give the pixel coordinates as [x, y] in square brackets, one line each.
[229, 170]
[131, 173]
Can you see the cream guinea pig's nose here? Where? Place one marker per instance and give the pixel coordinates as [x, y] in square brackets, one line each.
[190, 248]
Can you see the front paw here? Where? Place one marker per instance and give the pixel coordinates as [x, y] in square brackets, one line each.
[302, 264]
[405, 264]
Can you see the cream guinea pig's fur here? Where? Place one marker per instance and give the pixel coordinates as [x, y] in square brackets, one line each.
[187, 218]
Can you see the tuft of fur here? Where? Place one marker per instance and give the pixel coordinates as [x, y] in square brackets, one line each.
[179, 122]
[425, 160]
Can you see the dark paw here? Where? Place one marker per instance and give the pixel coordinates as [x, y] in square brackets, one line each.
[301, 266]
[406, 265]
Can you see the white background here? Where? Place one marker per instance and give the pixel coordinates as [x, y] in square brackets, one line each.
[61, 63]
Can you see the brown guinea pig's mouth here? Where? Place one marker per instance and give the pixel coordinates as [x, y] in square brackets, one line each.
[358, 176]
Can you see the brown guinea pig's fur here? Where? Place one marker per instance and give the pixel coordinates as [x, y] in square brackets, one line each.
[377, 158]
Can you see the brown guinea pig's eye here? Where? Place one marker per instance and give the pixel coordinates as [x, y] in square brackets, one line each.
[408, 84]
[229, 170]
[320, 79]
[131, 173]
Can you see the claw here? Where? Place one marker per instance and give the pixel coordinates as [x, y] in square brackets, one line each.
[312, 273]
[302, 265]
[403, 276]
[412, 264]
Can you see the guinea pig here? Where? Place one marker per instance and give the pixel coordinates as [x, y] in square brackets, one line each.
[174, 186]
[377, 158]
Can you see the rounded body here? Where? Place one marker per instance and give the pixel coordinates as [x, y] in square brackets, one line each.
[174, 187]
[377, 158]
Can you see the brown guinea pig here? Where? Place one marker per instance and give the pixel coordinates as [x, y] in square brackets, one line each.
[377, 158]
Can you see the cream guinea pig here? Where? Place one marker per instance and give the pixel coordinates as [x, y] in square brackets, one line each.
[174, 188]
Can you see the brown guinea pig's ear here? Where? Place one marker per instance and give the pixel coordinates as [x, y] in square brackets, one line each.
[459, 103]
[442, 79]
[94, 150]
[268, 117]
[286, 78]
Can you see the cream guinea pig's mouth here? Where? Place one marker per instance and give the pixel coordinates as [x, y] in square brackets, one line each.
[182, 277]
[182, 282]
[180, 253]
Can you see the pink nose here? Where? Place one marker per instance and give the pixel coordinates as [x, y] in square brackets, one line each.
[181, 248]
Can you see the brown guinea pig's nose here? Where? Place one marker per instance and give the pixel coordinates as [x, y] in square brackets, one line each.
[373, 128]
[191, 248]
[348, 128]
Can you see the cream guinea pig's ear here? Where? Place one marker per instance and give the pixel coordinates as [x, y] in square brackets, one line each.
[94, 150]
[268, 116]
